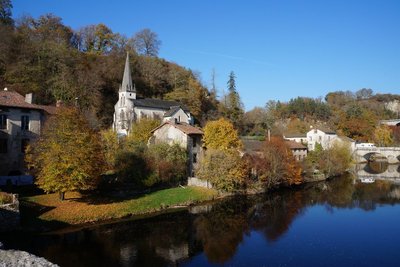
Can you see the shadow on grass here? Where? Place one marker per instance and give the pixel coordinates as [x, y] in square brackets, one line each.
[30, 217]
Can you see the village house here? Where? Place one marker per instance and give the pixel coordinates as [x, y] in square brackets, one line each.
[299, 151]
[183, 134]
[322, 136]
[131, 108]
[20, 123]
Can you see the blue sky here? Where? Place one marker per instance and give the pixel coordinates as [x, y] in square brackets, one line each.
[277, 49]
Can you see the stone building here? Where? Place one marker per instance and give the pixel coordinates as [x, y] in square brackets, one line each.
[299, 151]
[184, 134]
[131, 108]
[20, 123]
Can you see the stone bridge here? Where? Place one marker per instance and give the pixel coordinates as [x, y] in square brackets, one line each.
[363, 154]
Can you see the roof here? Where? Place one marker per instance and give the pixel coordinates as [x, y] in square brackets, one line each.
[324, 129]
[183, 127]
[252, 145]
[294, 135]
[347, 139]
[172, 111]
[155, 103]
[294, 145]
[15, 100]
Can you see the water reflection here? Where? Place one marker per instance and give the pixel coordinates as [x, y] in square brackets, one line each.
[372, 171]
[214, 233]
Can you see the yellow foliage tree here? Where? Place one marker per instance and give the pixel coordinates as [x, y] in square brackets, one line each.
[224, 169]
[111, 147]
[141, 130]
[383, 136]
[221, 134]
[68, 155]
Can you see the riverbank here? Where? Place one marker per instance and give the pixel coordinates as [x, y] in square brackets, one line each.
[47, 211]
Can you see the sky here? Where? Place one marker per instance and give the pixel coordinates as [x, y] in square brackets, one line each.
[278, 50]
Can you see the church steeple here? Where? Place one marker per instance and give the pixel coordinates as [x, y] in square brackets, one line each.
[127, 84]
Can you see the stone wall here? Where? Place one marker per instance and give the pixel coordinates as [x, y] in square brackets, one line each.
[9, 215]
[193, 181]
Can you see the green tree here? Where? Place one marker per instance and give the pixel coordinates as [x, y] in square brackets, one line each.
[221, 134]
[234, 107]
[67, 156]
[5, 12]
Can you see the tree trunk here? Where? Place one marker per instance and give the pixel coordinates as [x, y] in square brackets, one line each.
[61, 195]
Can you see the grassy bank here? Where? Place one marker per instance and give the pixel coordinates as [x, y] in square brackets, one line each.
[79, 209]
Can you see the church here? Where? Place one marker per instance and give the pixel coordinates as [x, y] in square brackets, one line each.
[130, 108]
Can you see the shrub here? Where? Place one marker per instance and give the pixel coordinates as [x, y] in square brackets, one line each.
[5, 198]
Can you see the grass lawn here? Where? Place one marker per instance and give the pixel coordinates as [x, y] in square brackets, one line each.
[78, 209]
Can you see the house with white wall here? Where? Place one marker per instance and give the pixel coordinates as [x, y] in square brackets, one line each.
[320, 135]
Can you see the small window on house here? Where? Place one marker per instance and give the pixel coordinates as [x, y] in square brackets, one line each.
[310, 138]
[315, 131]
[194, 158]
[3, 121]
[319, 138]
[3, 145]
[24, 123]
[24, 145]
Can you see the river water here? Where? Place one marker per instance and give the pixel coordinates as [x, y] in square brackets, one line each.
[341, 222]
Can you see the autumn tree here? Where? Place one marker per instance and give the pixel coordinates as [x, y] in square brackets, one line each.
[111, 147]
[141, 130]
[224, 169]
[383, 135]
[277, 165]
[221, 134]
[146, 42]
[67, 156]
[95, 38]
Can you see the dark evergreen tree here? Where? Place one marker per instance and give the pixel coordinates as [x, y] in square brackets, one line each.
[5, 12]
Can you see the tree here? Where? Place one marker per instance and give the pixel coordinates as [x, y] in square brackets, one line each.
[5, 12]
[67, 157]
[364, 93]
[111, 147]
[95, 38]
[221, 134]
[146, 43]
[224, 169]
[277, 165]
[141, 130]
[383, 135]
[234, 106]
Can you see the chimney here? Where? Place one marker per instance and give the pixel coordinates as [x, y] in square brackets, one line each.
[28, 98]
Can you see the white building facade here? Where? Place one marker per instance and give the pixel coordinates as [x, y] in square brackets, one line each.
[324, 137]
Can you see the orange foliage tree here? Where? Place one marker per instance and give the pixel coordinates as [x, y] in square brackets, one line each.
[277, 165]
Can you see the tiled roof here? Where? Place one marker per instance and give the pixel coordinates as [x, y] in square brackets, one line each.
[294, 135]
[252, 145]
[345, 138]
[325, 130]
[184, 127]
[295, 145]
[15, 100]
[155, 103]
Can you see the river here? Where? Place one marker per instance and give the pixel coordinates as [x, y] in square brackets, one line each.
[341, 222]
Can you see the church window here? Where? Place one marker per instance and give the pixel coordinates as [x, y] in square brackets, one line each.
[25, 123]
[3, 121]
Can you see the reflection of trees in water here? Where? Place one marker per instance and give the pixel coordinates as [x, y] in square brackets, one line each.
[221, 230]
[170, 238]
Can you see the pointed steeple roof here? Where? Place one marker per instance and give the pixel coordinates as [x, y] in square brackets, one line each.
[127, 84]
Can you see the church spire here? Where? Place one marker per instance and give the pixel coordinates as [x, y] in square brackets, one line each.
[127, 85]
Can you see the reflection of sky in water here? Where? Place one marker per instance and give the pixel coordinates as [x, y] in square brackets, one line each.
[344, 237]
[332, 223]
